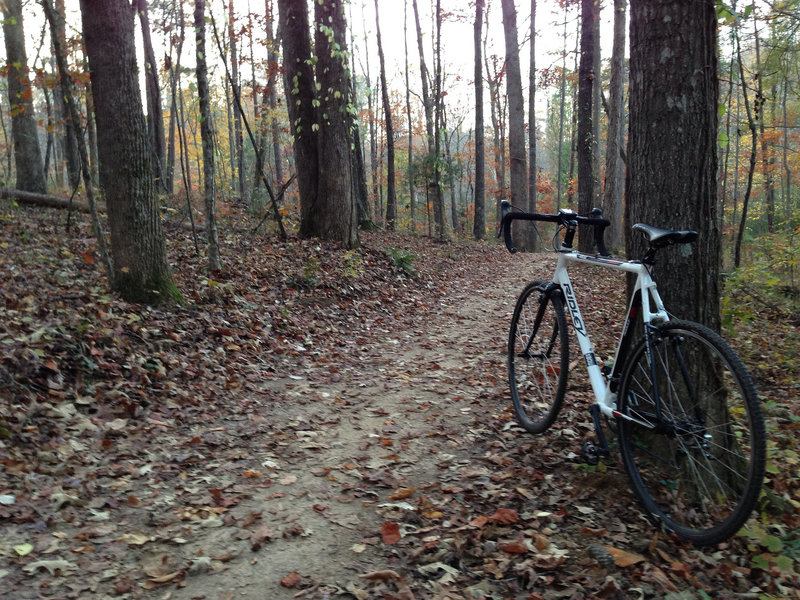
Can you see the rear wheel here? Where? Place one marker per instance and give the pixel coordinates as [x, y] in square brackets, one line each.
[697, 464]
[538, 356]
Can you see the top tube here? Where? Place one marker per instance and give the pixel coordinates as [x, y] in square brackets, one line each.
[569, 219]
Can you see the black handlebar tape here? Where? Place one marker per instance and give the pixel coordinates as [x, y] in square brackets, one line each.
[505, 206]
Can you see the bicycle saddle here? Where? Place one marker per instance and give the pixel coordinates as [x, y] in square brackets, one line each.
[659, 238]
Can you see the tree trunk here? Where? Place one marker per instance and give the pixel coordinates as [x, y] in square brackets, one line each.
[597, 103]
[238, 140]
[207, 136]
[751, 122]
[391, 194]
[138, 251]
[72, 129]
[516, 109]
[585, 141]
[479, 223]
[436, 188]
[336, 218]
[672, 148]
[299, 103]
[24, 132]
[272, 84]
[532, 169]
[412, 201]
[612, 201]
[155, 119]
[562, 117]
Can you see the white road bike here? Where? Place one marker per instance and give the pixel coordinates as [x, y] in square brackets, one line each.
[682, 404]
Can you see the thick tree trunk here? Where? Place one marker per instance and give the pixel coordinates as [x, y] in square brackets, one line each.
[24, 132]
[294, 26]
[479, 224]
[207, 135]
[612, 201]
[138, 251]
[391, 193]
[336, 217]
[672, 147]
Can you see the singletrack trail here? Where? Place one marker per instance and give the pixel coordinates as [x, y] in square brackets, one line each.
[406, 415]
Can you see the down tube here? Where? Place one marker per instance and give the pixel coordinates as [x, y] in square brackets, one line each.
[595, 374]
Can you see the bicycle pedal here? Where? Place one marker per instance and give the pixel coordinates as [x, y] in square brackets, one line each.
[590, 452]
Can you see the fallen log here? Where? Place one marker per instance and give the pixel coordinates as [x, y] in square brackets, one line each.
[58, 202]
[42, 199]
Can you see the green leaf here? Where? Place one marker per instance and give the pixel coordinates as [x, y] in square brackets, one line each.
[23, 549]
[722, 138]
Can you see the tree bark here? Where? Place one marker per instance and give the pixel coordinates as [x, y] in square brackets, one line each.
[141, 270]
[532, 169]
[207, 136]
[479, 222]
[585, 141]
[516, 109]
[71, 129]
[24, 132]
[672, 148]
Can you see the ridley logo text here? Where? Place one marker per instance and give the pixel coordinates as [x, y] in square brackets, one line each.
[572, 304]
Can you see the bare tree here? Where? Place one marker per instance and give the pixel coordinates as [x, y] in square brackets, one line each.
[612, 200]
[27, 153]
[207, 136]
[479, 223]
[391, 194]
[155, 119]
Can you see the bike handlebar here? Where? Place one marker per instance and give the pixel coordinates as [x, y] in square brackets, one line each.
[568, 218]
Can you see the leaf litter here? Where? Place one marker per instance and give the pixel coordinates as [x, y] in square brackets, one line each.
[316, 423]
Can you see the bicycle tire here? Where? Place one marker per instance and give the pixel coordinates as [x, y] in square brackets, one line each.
[699, 472]
[538, 357]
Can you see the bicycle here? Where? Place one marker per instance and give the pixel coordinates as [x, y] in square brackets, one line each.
[682, 404]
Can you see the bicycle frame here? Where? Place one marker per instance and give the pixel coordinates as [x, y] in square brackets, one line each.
[645, 300]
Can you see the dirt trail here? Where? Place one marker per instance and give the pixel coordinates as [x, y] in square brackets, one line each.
[402, 418]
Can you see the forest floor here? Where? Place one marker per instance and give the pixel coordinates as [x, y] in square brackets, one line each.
[316, 423]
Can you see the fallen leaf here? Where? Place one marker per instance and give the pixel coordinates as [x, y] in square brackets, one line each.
[401, 493]
[390, 533]
[513, 547]
[479, 521]
[505, 516]
[381, 575]
[623, 558]
[23, 549]
[52, 566]
[259, 536]
[291, 580]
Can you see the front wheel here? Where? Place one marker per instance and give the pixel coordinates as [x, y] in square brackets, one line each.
[691, 432]
[538, 356]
